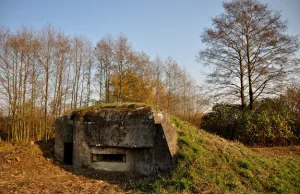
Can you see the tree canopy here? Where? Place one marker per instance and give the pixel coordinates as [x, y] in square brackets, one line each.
[249, 50]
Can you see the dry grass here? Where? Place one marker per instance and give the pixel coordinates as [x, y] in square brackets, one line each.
[32, 169]
[287, 151]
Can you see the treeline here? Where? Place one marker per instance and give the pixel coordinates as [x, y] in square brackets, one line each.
[273, 122]
[44, 73]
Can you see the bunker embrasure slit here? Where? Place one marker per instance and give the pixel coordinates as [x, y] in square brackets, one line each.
[108, 158]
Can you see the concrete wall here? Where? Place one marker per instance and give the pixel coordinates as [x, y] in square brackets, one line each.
[144, 160]
[146, 138]
[114, 166]
[168, 129]
[63, 134]
[163, 158]
[81, 149]
[115, 128]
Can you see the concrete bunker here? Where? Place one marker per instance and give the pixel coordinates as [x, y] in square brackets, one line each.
[121, 138]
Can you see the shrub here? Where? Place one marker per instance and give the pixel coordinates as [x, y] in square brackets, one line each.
[271, 123]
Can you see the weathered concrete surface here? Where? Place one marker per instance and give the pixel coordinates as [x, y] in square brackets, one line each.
[63, 134]
[81, 151]
[143, 135]
[163, 156]
[134, 129]
[168, 129]
[114, 166]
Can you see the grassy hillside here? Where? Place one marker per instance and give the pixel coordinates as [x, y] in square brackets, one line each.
[209, 164]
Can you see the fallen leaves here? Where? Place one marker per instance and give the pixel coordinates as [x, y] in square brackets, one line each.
[33, 169]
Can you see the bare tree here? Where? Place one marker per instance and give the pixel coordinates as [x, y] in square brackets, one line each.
[78, 55]
[105, 57]
[88, 71]
[61, 59]
[47, 39]
[124, 59]
[248, 48]
[171, 83]
[157, 70]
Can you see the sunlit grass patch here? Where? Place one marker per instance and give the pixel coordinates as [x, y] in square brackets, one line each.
[210, 164]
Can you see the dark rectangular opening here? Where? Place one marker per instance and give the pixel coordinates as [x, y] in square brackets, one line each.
[68, 153]
[108, 157]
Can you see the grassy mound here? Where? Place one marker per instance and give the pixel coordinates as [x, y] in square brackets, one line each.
[80, 112]
[209, 164]
[116, 106]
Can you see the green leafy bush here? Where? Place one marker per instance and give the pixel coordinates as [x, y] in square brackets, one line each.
[271, 123]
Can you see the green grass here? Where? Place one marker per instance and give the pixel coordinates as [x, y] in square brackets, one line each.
[210, 164]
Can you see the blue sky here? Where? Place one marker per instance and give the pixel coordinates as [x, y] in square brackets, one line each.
[164, 28]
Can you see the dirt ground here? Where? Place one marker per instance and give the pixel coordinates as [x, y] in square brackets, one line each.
[33, 169]
[279, 151]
